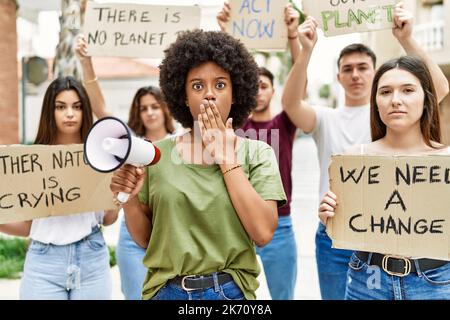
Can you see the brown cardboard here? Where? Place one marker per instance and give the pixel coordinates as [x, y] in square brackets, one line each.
[259, 24]
[337, 17]
[135, 30]
[377, 196]
[40, 181]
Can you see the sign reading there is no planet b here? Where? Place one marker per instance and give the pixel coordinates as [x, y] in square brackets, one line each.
[337, 17]
[259, 24]
[135, 31]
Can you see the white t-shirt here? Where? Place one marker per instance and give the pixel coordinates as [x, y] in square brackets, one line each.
[336, 130]
[62, 230]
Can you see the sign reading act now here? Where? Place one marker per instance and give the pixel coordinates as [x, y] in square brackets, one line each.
[392, 205]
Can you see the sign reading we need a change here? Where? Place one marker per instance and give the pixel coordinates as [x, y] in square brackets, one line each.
[259, 24]
[337, 17]
[392, 205]
[40, 181]
[135, 30]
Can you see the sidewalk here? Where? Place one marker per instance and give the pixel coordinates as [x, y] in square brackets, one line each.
[305, 179]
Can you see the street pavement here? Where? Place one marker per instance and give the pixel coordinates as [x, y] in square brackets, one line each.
[305, 177]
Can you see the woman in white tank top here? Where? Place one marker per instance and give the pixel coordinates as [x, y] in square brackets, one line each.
[404, 121]
[67, 258]
[149, 117]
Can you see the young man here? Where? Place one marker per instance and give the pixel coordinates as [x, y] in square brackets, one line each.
[279, 256]
[335, 130]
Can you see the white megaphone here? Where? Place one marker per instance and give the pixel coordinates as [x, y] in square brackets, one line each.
[110, 144]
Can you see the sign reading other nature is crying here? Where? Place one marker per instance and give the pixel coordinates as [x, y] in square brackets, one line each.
[392, 205]
[348, 16]
[39, 181]
[132, 30]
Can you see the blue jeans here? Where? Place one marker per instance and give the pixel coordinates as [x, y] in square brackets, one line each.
[77, 271]
[372, 283]
[279, 259]
[131, 267]
[332, 265]
[226, 291]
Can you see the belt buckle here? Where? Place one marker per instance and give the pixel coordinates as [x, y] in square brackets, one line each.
[407, 268]
[183, 286]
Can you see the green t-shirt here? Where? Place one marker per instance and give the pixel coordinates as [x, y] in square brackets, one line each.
[195, 228]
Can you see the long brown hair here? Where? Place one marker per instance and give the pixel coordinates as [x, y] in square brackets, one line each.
[134, 119]
[47, 130]
[430, 120]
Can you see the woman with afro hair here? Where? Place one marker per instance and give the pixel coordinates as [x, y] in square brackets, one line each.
[213, 195]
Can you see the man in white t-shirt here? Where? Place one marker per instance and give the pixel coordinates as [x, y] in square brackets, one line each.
[335, 130]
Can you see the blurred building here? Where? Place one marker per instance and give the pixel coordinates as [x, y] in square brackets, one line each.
[432, 32]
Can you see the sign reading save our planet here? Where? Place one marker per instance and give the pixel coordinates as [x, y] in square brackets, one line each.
[337, 17]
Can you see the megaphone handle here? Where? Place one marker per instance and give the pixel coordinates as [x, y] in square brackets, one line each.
[123, 197]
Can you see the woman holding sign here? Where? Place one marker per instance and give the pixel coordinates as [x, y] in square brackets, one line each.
[149, 117]
[404, 120]
[213, 195]
[67, 258]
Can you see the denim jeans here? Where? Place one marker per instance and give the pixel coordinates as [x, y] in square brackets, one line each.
[130, 258]
[332, 265]
[279, 259]
[77, 271]
[226, 291]
[372, 283]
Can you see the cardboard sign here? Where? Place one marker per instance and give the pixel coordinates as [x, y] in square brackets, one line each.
[40, 181]
[259, 24]
[348, 16]
[132, 30]
[392, 205]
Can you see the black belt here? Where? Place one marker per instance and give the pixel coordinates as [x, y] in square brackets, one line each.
[399, 266]
[195, 282]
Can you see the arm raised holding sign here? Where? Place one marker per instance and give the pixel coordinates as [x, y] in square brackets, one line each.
[403, 20]
[301, 114]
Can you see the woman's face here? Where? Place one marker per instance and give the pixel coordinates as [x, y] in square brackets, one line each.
[151, 113]
[68, 112]
[400, 99]
[209, 81]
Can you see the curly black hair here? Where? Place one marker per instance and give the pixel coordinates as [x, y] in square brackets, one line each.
[195, 47]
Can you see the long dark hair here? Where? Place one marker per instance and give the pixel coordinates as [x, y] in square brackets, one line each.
[134, 119]
[430, 121]
[47, 130]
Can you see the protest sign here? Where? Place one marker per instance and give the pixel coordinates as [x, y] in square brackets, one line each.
[348, 16]
[392, 205]
[40, 181]
[259, 24]
[134, 30]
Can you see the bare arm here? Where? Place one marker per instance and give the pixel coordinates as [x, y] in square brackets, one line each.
[110, 217]
[130, 179]
[291, 18]
[403, 32]
[90, 80]
[300, 113]
[20, 229]
[258, 216]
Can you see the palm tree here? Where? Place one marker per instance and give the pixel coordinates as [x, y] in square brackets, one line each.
[72, 14]
[9, 102]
